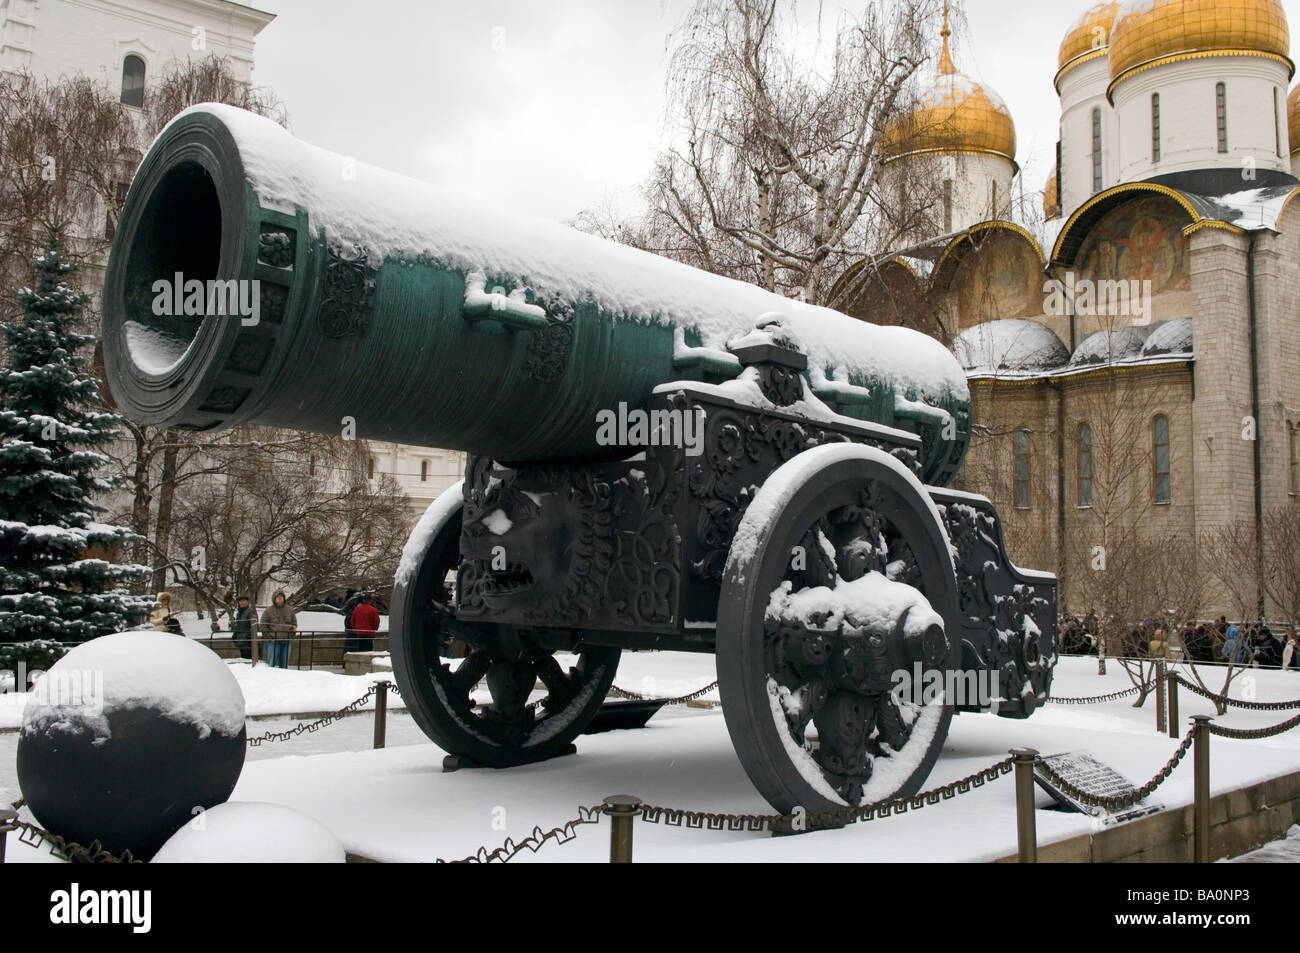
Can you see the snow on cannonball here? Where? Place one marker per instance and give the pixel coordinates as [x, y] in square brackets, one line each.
[126, 735]
[249, 832]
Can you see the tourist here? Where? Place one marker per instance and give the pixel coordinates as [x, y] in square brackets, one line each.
[162, 619]
[1236, 649]
[1158, 647]
[241, 628]
[365, 623]
[1291, 652]
[1268, 651]
[278, 623]
[349, 634]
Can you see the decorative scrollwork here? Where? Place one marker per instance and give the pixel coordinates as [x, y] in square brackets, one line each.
[348, 299]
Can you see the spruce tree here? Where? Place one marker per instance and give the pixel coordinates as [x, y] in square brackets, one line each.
[57, 580]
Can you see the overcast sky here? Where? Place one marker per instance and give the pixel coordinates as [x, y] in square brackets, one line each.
[557, 106]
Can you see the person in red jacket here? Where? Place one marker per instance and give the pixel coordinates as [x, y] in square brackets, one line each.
[365, 623]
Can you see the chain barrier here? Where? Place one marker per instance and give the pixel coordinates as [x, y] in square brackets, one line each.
[1225, 701]
[1252, 734]
[33, 836]
[1115, 802]
[319, 723]
[534, 841]
[1095, 699]
[703, 820]
[676, 700]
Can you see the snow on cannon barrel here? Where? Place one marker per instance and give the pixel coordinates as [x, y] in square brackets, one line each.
[658, 458]
[347, 291]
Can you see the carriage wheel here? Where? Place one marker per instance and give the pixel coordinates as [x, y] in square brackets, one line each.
[508, 730]
[837, 599]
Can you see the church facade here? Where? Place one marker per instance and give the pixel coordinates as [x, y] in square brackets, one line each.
[1132, 357]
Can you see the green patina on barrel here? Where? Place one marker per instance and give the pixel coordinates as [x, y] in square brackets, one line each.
[363, 312]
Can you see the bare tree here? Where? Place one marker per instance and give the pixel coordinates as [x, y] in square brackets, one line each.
[775, 178]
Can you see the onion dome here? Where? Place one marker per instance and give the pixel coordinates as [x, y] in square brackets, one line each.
[1147, 32]
[1293, 119]
[1088, 39]
[956, 114]
[1051, 198]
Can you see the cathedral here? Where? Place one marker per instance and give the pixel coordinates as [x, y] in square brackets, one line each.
[1132, 355]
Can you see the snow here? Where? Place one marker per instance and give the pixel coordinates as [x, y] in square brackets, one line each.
[384, 215]
[249, 832]
[1169, 337]
[498, 523]
[153, 351]
[421, 538]
[181, 679]
[872, 601]
[1256, 208]
[1111, 344]
[377, 803]
[1015, 344]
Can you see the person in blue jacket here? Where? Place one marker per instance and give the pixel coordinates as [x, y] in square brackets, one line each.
[1235, 649]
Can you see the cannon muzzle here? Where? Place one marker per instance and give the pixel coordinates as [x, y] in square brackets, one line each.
[256, 278]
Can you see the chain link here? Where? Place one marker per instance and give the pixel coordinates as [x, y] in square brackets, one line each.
[32, 836]
[1227, 702]
[704, 820]
[534, 841]
[301, 727]
[1250, 734]
[1094, 699]
[1114, 802]
[677, 700]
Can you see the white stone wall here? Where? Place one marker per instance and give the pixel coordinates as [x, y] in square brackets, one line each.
[64, 37]
[1188, 126]
[1082, 90]
[423, 485]
[973, 176]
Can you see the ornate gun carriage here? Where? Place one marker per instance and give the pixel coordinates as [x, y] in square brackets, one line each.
[658, 458]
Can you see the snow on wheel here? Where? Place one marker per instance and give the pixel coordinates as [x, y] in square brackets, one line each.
[508, 661]
[838, 596]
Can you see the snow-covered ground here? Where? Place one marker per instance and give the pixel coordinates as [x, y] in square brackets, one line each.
[397, 804]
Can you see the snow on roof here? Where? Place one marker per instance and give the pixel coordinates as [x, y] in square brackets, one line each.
[1169, 337]
[1012, 344]
[1255, 208]
[388, 215]
[1110, 344]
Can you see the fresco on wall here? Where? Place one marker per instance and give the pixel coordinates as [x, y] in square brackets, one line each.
[1139, 241]
[1002, 278]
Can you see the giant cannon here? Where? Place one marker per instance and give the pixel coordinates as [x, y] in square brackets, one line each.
[657, 458]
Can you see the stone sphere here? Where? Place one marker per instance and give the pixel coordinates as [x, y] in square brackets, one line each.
[249, 832]
[126, 735]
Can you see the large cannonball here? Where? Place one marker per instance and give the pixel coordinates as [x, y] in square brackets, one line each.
[126, 735]
[249, 832]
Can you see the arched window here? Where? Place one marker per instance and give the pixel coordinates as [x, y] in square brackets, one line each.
[1096, 150]
[1221, 114]
[1022, 469]
[994, 183]
[1294, 460]
[1277, 125]
[1155, 127]
[1160, 441]
[1085, 465]
[133, 81]
[947, 205]
[424, 471]
[370, 468]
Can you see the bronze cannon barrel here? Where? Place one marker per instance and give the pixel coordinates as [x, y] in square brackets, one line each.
[256, 278]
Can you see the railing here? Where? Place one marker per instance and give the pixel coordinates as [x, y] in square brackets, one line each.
[306, 649]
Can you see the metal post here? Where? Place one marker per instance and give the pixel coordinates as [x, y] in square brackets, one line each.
[1026, 823]
[252, 646]
[1161, 678]
[1173, 704]
[381, 712]
[622, 810]
[1201, 809]
[7, 819]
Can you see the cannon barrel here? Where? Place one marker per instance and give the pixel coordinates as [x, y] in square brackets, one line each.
[256, 278]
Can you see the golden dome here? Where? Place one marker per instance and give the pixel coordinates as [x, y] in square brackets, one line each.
[1293, 119]
[956, 114]
[1050, 199]
[1148, 31]
[1090, 34]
